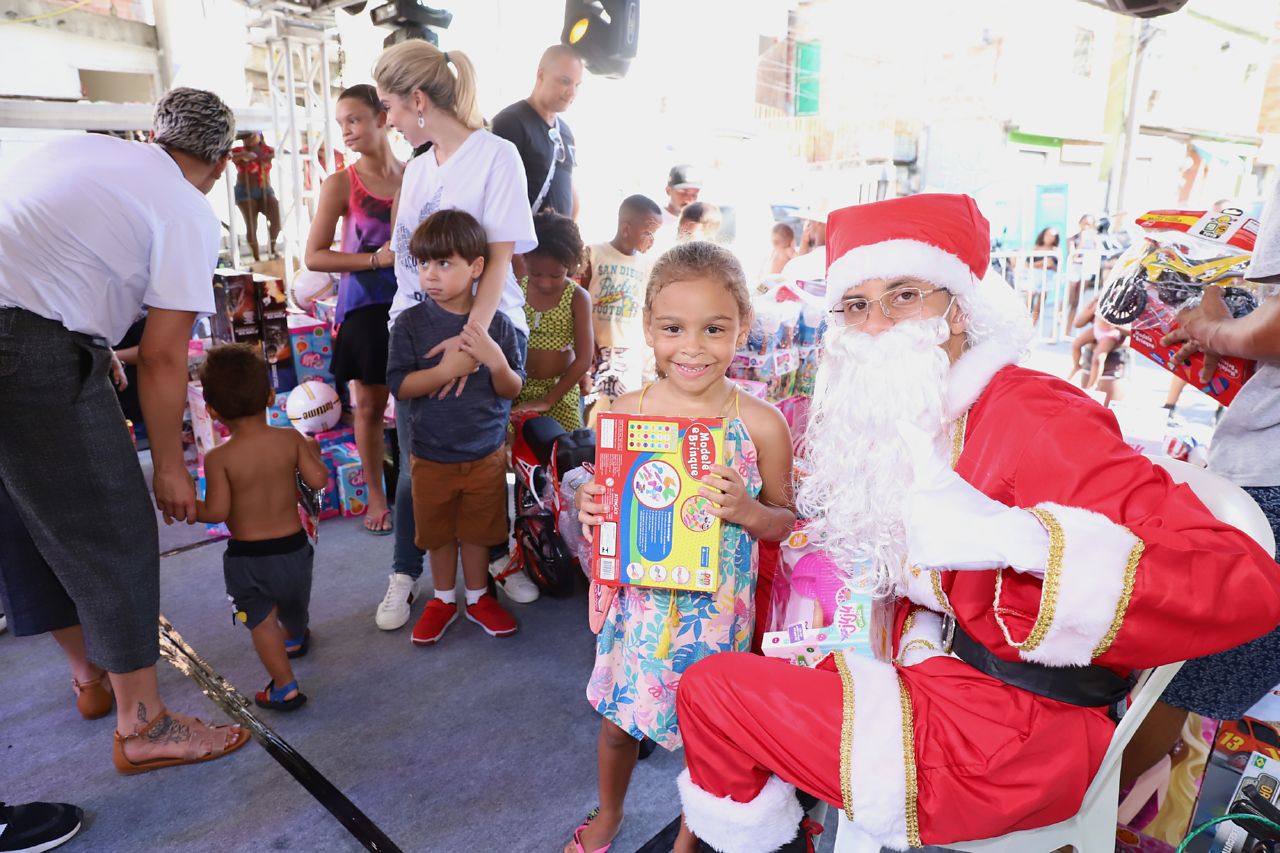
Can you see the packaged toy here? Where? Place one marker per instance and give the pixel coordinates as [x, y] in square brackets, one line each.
[818, 608]
[1180, 254]
[657, 531]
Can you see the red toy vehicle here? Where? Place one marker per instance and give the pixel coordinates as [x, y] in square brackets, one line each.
[541, 452]
[1239, 738]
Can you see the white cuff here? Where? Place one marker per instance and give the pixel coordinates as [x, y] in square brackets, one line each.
[1087, 584]
[924, 587]
[760, 826]
[921, 638]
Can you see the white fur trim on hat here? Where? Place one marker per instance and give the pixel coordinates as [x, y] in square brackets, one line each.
[896, 258]
[760, 826]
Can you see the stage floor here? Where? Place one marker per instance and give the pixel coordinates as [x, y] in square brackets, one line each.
[474, 745]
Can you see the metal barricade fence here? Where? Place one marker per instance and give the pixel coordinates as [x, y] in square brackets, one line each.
[1053, 285]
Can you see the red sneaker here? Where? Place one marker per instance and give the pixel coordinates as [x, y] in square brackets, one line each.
[490, 615]
[436, 617]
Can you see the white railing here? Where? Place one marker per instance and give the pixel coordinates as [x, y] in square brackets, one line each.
[1053, 285]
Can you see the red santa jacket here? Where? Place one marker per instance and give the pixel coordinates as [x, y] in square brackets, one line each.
[1140, 572]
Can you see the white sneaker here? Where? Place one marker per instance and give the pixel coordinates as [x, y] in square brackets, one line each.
[393, 612]
[516, 585]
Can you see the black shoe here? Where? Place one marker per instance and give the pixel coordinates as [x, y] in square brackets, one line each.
[34, 827]
[647, 746]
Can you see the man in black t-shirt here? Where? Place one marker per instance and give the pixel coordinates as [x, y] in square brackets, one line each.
[543, 139]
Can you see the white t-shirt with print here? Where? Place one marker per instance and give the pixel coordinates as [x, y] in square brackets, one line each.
[485, 178]
[92, 228]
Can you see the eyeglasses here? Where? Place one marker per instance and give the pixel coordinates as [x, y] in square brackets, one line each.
[902, 303]
[554, 133]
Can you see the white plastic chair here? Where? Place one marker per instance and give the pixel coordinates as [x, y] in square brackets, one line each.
[1093, 828]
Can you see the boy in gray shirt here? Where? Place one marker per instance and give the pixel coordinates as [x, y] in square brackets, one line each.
[457, 439]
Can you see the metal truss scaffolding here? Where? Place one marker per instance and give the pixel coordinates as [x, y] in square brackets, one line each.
[299, 94]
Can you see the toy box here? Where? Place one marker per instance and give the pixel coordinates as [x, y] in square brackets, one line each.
[816, 608]
[205, 431]
[1180, 253]
[1226, 381]
[312, 347]
[1237, 748]
[235, 315]
[657, 531]
[325, 310]
[276, 347]
[1257, 792]
[353, 490]
[197, 351]
[202, 486]
[277, 415]
[330, 506]
[331, 438]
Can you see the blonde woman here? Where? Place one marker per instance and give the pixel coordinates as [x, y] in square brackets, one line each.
[430, 97]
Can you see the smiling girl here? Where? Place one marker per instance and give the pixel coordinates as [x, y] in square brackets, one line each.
[697, 313]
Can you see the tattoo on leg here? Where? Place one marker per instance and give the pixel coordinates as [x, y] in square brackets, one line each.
[169, 730]
[142, 713]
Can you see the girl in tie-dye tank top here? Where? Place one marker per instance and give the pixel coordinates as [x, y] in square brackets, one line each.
[361, 196]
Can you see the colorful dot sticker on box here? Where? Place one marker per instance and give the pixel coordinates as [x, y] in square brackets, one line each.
[656, 437]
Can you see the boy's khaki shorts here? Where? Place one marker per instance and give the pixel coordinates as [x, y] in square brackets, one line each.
[462, 501]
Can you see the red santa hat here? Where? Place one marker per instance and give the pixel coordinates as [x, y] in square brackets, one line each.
[939, 238]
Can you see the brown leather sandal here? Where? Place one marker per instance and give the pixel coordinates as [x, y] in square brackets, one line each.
[93, 699]
[199, 747]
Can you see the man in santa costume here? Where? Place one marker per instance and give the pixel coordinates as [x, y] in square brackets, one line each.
[1030, 560]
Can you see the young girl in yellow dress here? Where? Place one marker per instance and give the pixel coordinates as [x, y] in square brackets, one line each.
[559, 315]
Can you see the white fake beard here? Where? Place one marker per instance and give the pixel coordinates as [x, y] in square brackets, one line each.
[859, 471]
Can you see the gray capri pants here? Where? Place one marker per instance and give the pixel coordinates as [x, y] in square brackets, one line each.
[74, 483]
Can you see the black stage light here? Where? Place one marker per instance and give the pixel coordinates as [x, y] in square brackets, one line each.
[410, 19]
[1145, 8]
[604, 33]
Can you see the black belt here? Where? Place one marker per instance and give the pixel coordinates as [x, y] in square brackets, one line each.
[1088, 686]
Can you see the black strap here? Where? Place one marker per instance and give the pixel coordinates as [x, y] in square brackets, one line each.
[1088, 686]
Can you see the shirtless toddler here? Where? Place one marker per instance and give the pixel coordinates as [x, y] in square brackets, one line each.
[252, 486]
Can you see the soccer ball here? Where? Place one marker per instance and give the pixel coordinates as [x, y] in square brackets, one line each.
[311, 286]
[313, 407]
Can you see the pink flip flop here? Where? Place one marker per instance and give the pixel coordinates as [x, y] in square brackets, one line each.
[577, 842]
[382, 518]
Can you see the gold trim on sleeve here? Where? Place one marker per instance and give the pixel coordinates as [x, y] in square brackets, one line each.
[910, 621]
[909, 767]
[957, 439]
[846, 735]
[935, 581]
[1122, 606]
[918, 643]
[1049, 586]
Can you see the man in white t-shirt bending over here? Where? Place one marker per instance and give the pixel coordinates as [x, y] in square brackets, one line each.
[93, 228]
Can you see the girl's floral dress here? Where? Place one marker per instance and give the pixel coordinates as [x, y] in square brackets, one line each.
[630, 684]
